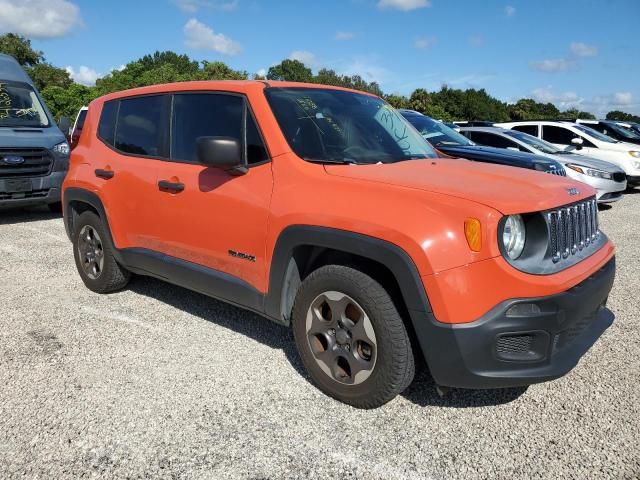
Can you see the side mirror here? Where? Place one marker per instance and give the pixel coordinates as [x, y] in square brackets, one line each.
[577, 141]
[64, 125]
[221, 152]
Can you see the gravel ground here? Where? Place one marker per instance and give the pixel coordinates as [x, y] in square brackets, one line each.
[156, 381]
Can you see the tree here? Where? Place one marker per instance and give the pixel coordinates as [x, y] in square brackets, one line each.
[46, 75]
[291, 71]
[419, 100]
[19, 48]
[574, 113]
[221, 71]
[66, 101]
[622, 116]
[398, 101]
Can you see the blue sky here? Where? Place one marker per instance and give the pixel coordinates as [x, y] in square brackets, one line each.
[580, 53]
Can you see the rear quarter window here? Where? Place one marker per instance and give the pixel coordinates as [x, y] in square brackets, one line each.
[530, 129]
[107, 123]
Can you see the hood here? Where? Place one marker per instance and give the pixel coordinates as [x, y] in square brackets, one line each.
[30, 137]
[619, 146]
[506, 189]
[496, 155]
[564, 158]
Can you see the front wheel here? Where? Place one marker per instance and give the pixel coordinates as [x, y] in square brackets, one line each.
[351, 338]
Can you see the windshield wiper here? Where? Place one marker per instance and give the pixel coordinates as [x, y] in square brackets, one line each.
[344, 161]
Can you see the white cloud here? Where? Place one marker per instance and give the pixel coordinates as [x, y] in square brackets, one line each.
[344, 36]
[84, 75]
[425, 42]
[509, 10]
[201, 37]
[39, 18]
[404, 5]
[583, 50]
[306, 57]
[553, 65]
[562, 100]
[623, 98]
[192, 6]
[262, 72]
[367, 67]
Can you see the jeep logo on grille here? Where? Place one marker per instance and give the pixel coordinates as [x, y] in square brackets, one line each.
[12, 160]
[572, 191]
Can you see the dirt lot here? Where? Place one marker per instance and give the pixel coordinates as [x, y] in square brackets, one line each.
[156, 381]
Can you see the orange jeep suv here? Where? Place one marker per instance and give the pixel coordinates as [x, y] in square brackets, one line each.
[324, 209]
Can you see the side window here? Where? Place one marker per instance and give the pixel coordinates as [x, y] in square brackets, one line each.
[212, 115]
[559, 135]
[82, 116]
[107, 124]
[203, 115]
[141, 129]
[256, 151]
[597, 126]
[492, 140]
[530, 129]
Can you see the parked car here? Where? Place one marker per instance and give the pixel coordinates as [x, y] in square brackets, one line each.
[324, 209]
[473, 123]
[78, 125]
[581, 139]
[34, 154]
[632, 126]
[452, 143]
[608, 179]
[612, 129]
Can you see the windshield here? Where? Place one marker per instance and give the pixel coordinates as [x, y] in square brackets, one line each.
[594, 133]
[20, 106]
[540, 145]
[625, 132]
[438, 133]
[337, 126]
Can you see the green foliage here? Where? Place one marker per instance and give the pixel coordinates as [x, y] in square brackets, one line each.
[66, 101]
[65, 97]
[46, 75]
[19, 48]
[291, 71]
[622, 116]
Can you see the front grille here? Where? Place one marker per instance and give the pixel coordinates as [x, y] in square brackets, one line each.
[37, 162]
[619, 176]
[557, 171]
[514, 344]
[572, 229]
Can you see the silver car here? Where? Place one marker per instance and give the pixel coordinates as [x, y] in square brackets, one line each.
[608, 179]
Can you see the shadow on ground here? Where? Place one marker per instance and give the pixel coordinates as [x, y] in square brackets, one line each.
[25, 215]
[422, 391]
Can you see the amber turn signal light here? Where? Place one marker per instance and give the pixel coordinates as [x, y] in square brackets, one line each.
[473, 232]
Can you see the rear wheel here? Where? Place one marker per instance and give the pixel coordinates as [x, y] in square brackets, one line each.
[94, 257]
[351, 338]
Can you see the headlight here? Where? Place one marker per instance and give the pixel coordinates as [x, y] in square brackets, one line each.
[634, 153]
[636, 164]
[62, 148]
[592, 172]
[513, 236]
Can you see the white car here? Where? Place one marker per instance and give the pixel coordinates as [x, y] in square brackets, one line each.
[608, 179]
[581, 139]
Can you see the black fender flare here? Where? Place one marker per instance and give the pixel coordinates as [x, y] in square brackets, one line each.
[386, 253]
[82, 195]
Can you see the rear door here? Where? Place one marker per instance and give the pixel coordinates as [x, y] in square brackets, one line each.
[216, 219]
[134, 138]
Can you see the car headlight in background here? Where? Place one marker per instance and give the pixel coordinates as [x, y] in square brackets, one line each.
[636, 164]
[62, 148]
[513, 236]
[592, 172]
[634, 153]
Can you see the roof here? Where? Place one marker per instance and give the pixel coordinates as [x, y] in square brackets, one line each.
[486, 129]
[234, 86]
[10, 70]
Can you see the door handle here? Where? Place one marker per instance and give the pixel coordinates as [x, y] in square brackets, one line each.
[173, 187]
[106, 174]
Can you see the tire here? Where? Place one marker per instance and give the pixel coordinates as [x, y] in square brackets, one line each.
[372, 362]
[108, 276]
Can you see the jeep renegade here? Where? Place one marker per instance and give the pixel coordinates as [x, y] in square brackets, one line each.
[324, 209]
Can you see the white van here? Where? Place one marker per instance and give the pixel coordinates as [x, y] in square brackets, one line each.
[581, 139]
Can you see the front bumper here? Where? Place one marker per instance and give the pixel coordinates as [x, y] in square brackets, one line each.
[541, 343]
[633, 179]
[44, 190]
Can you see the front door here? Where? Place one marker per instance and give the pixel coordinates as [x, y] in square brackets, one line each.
[208, 216]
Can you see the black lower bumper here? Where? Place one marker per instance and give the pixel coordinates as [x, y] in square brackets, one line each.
[41, 191]
[633, 180]
[522, 341]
